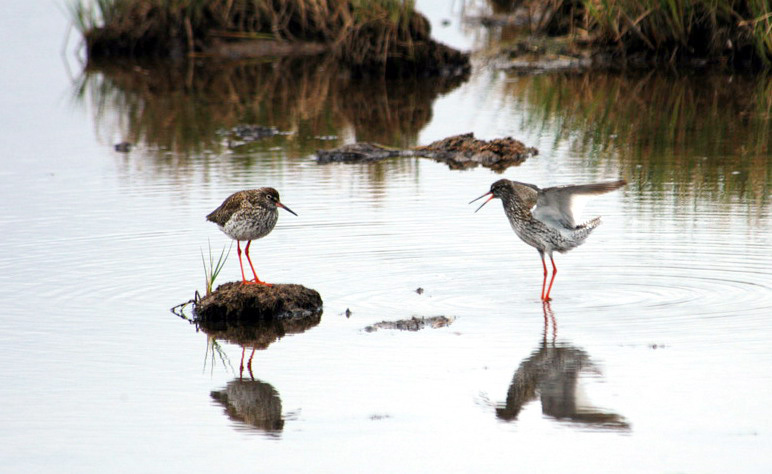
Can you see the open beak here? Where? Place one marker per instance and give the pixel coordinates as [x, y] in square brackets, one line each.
[484, 203]
[285, 207]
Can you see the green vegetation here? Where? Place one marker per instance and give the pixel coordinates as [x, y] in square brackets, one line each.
[737, 32]
[382, 35]
[212, 270]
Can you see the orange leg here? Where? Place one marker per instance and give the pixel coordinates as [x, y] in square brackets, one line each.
[257, 280]
[554, 272]
[241, 265]
[544, 281]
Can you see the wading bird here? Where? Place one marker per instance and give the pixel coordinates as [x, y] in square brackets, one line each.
[545, 218]
[248, 215]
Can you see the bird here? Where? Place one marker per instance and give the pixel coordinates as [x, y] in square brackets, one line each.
[248, 215]
[546, 218]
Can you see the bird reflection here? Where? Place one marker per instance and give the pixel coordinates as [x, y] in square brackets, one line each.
[551, 373]
[246, 399]
[252, 402]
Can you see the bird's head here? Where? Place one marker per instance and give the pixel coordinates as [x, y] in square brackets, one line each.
[272, 198]
[499, 189]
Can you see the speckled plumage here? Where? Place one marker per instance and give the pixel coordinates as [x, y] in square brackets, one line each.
[546, 218]
[248, 215]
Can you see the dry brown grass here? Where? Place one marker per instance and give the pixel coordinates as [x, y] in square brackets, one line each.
[383, 35]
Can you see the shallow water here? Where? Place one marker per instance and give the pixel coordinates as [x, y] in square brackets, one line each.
[653, 356]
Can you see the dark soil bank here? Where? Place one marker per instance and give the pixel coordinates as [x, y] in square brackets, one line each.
[237, 304]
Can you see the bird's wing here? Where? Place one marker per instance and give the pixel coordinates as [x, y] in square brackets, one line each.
[232, 204]
[561, 206]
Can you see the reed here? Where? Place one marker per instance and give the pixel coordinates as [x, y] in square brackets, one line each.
[738, 32]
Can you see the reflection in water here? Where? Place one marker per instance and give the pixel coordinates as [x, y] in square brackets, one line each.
[712, 133]
[262, 334]
[552, 373]
[252, 402]
[181, 110]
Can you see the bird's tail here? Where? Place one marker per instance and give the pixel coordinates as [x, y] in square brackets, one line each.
[583, 230]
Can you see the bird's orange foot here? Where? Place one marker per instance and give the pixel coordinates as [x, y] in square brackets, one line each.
[255, 282]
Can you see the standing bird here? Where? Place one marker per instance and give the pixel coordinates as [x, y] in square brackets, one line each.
[550, 225]
[248, 215]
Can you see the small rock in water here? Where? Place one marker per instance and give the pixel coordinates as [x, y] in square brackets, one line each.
[419, 290]
[348, 313]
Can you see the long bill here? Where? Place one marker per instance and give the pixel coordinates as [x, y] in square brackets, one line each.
[286, 208]
[489, 193]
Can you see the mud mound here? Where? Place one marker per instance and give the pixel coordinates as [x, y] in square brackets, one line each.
[237, 304]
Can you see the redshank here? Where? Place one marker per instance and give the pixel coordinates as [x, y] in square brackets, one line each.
[248, 215]
[551, 224]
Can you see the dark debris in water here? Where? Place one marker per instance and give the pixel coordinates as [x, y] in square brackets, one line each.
[123, 147]
[413, 324]
[458, 152]
[245, 133]
[362, 152]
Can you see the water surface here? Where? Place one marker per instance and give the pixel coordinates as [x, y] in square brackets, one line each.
[653, 356]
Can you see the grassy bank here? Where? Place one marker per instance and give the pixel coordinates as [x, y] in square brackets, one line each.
[735, 32]
[382, 35]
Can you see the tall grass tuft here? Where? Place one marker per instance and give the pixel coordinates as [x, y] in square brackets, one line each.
[212, 270]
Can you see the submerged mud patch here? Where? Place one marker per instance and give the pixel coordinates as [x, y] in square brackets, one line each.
[413, 324]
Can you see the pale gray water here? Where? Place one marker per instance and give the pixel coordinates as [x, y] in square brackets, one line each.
[665, 309]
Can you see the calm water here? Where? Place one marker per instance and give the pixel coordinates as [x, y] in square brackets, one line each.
[653, 357]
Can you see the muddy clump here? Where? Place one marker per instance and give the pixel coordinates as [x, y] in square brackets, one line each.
[239, 305]
[465, 151]
[458, 152]
[413, 324]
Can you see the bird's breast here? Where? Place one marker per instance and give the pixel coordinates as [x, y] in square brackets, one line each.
[250, 224]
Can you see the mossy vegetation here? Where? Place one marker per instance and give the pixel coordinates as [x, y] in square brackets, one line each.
[737, 33]
[386, 36]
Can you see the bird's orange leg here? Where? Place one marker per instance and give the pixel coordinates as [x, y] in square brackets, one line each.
[257, 280]
[241, 265]
[554, 272]
[544, 282]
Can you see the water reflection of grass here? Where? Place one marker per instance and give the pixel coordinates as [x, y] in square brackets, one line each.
[182, 110]
[712, 132]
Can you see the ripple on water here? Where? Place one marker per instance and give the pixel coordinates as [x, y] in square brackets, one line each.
[723, 281]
